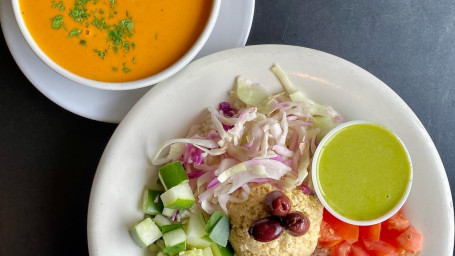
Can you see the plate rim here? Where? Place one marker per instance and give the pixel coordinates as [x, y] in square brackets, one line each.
[156, 90]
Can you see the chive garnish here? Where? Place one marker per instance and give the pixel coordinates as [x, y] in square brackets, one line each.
[57, 22]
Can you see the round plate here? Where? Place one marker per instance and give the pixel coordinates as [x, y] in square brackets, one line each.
[231, 30]
[169, 108]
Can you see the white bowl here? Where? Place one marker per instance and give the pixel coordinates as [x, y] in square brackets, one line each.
[158, 77]
[318, 189]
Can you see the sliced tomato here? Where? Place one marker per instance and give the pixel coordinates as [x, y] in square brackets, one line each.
[327, 236]
[397, 222]
[348, 232]
[410, 240]
[342, 249]
[358, 250]
[380, 248]
[372, 232]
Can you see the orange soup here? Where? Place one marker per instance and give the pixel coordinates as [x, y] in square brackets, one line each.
[115, 40]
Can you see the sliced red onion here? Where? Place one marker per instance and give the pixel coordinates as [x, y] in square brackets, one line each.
[306, 190]
[195, 174]
[174, 216]
[212, 183]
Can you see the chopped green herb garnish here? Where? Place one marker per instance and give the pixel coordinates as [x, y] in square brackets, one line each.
[74, 32]
[83, 42]
[100, 53]
[156, 36]
[101, 11]
[134, 60]
[100, 23]
[57, 22]
[126, 70]
[114, 68]
[58, 5]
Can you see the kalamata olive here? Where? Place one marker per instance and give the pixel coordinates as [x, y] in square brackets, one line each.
[277, 203]
[265, 229]
[296, 223]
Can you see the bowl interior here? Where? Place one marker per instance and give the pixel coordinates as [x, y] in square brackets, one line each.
[151, 80]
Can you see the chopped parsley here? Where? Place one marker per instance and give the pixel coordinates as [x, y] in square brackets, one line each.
[57, 22]
[100, 23]
[74, 32]
[118, 35]
[100, 53]
[58, 5]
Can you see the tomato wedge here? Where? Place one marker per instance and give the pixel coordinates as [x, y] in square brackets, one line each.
[358, 250]
[327, 236]
[372, 232]
[348, 232]
[342, 249]
[397, 222]
[380, 248]
[410, 240]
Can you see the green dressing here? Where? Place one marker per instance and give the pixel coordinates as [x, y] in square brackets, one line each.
[363, 171]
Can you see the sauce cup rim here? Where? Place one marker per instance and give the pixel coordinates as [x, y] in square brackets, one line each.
[118, 86]
[314, 176]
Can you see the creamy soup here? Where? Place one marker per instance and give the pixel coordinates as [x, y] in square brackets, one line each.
[115, 40]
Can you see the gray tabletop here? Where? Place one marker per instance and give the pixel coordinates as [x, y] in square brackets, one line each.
[48, 156]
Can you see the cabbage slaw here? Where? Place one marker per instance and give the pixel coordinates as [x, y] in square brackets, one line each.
[257, 137]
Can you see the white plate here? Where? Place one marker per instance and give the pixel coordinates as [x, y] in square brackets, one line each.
[231, 30]
[170, 107]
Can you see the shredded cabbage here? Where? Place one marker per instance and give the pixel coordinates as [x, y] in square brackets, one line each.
[256, 137]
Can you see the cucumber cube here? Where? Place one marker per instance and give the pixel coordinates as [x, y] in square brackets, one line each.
[218, 250]
[172, 174]
[145, 233]
[171, 227]
[196, 236]
[151, 203]
[179, 197]
[216, 216]
[193, 252]
[207, 251]
[161, 220]
[174, 237]
[173, 250]
[220, 232]
[168, 212]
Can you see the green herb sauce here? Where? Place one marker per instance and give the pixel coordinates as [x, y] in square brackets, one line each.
[363, 171]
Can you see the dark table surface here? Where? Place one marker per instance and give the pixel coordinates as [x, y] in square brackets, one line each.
[48, 156]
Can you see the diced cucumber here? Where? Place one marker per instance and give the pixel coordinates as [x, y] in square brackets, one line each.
[161, 220]
[154, 248]
[168, 212]
[220, 232]
[179, 197]
[145, 233]
[219, 250]
[151, 203]
[216, 216]
[196, 236]
[207, 251]
[192, 252]
[171, 227]
[174, 237]
[172, 174]
[173, 250]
